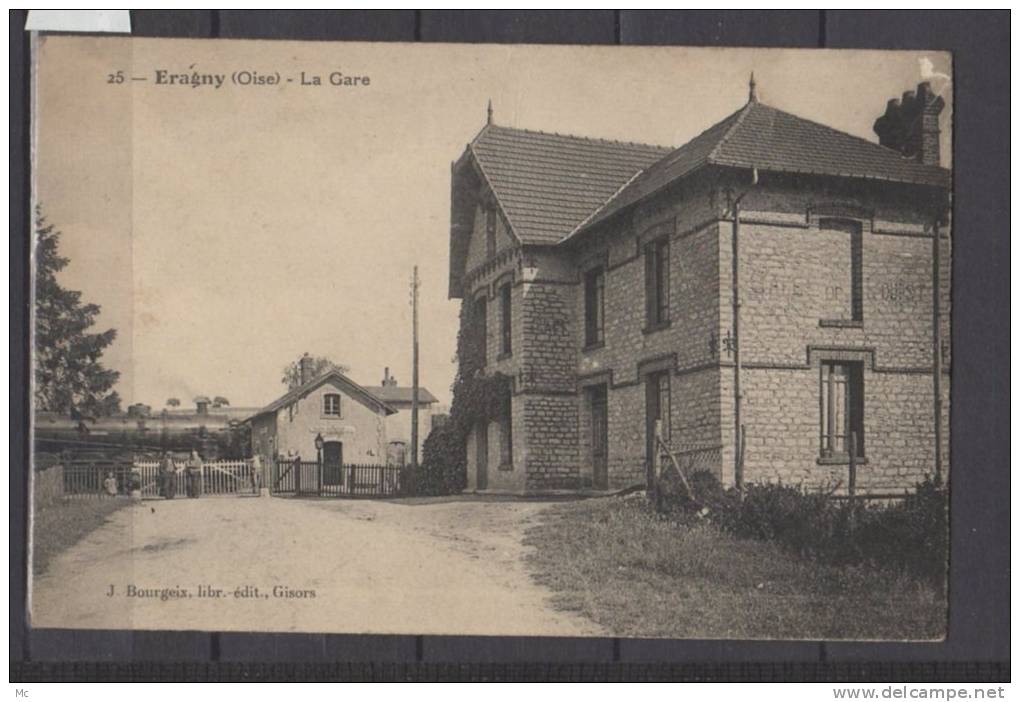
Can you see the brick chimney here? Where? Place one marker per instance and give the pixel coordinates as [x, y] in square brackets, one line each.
[305, 365]
[388, 380]
[910, 125]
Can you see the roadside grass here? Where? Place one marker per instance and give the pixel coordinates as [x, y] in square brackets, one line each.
[615, 562]
[59, 524]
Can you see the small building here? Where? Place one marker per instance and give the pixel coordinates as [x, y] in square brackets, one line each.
[351, 420]
[398, 425]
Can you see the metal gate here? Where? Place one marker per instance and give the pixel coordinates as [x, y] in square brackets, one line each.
[311, 478]
[218, 478]
[88, 477]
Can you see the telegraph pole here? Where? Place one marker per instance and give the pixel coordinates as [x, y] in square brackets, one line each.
[414, 374]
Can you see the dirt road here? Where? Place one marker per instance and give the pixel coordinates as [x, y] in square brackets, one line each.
[454, 567]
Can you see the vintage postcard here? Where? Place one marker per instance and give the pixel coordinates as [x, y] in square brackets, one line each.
[490, 340]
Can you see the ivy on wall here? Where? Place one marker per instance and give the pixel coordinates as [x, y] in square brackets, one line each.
[477, 397]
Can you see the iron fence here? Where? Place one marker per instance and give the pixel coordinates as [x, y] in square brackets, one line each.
[295, 477]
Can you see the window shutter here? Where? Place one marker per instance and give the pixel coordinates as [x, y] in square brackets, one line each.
[664, 275]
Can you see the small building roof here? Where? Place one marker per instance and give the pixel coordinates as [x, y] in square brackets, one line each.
[331, 375]
[400, 394]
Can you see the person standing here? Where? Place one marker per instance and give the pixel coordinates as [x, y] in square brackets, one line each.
[168, 474]
[110, 484]
[194, 474]
[256, 474]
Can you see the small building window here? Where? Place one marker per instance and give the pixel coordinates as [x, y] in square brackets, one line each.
[594, 306]
[490, 231]
[506, 321]
[842, 409]
[331, 405]
[657, 282]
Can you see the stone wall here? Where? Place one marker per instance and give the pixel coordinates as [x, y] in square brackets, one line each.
[688, 347]
[501, 477]
[550, 444]
[782, 416]
[793, 271]
[478, 246]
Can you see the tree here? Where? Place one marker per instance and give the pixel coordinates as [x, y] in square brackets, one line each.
[69, 378]
[220, 401]
[320, 364]
[173, 402]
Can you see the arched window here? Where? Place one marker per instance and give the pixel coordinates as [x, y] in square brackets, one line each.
[331, 405]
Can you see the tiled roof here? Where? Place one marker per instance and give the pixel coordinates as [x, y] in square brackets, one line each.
[394, 393]
[759, 136]
[547, 184]
[339, 378]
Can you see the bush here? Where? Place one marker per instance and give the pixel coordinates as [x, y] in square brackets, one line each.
[443, 469]
[911, 535]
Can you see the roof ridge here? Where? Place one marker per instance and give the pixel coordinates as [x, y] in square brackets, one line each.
[741, 114]
[299, 391]
[484, 130]
[597, 140]
[739, 117]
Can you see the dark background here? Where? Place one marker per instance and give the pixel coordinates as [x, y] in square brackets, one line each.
[977, 647]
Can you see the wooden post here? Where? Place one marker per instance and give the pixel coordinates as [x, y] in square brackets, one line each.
[741, 451]
[653, 464]
[297, 475]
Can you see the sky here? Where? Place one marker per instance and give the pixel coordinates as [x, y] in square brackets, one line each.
[225, 231]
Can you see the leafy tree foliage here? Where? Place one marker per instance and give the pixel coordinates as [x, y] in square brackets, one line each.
[320, 364]
[68, 375]
[173, 402]
[220, 401]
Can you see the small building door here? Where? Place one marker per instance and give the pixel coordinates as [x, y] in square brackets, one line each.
[482, 456]
[332, 462]
[599, 437]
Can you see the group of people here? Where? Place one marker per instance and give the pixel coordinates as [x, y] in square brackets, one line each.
[168, 475]
[193, 477]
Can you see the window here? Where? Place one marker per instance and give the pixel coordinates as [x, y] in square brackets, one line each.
[845, 291]
[331, 405]
[842, 409]
[657, 282]
[481, 328]
[506, 433]
[506, 327]
[594, 306]
[490, 231]
[656, 408]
